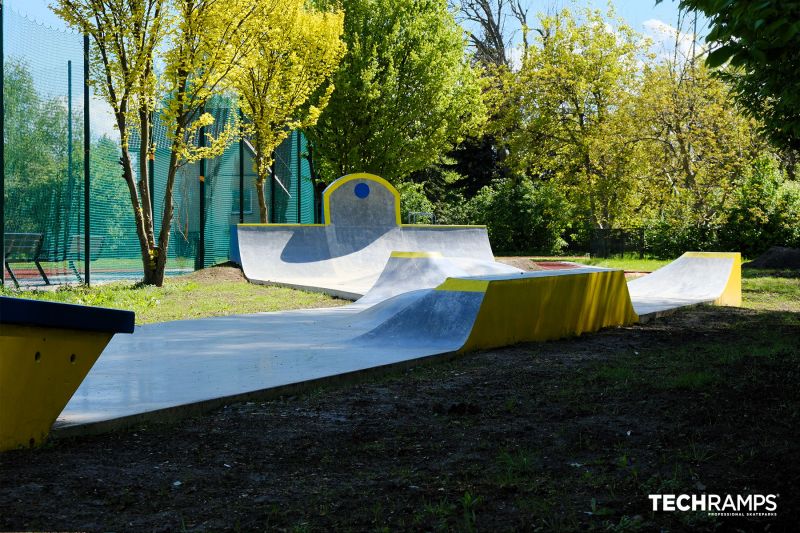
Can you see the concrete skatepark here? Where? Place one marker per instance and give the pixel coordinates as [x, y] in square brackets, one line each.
[421, 293]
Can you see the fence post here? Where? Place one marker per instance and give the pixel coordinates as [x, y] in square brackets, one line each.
[241, 167]
[200, 260]
[2, 156]
[271, 216]
[151, 170]
[87, 245]
[299, 176]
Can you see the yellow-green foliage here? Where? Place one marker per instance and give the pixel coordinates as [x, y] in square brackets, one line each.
[565, 113]
[296, 48]
[125, 34]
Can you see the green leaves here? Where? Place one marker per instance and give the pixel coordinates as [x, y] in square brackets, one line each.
[405, 92]
[762, 40]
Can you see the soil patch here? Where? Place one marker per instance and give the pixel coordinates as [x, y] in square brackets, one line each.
[222, 272]
[558, 436]
[776, 257]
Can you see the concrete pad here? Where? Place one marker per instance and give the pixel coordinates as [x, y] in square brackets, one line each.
[178, 365]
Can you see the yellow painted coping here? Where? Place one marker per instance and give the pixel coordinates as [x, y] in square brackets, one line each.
[544, 308]
[416, 255]
[326, 194]
[732, 294]
[40, 370]
[444, 226]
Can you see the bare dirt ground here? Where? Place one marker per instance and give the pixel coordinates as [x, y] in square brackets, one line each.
[559, 436]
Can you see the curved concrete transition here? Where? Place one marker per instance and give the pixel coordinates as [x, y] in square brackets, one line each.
[185, 364]
[694, 278]
[345, 256]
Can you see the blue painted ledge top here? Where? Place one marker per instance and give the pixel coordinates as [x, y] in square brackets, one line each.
[23, 312]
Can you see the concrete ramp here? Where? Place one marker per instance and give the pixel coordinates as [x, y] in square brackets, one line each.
[346, 255]
[694, 278]
[188, 366]
[408, 271]
[466, 314]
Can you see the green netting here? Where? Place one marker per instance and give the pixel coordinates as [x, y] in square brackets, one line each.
[44, 173]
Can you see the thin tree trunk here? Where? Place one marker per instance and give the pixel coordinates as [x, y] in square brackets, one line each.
[148, 264]
[144, 183]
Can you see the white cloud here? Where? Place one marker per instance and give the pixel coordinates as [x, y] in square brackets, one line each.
[666, 38]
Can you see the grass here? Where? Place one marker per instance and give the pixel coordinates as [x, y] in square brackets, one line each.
[630, 262]
[183, 297]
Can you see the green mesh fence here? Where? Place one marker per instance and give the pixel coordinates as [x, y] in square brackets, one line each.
[43, 194]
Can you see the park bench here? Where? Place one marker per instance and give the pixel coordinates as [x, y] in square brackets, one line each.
[23, 248]
[75, 251]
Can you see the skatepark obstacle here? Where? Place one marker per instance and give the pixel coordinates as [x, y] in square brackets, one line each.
[46, 350]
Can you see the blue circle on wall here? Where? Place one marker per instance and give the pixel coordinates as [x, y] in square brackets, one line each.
[362, 190]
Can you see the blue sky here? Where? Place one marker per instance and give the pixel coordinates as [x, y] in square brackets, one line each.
[644, 16]
[635, 12]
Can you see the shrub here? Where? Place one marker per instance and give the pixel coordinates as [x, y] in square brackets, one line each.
[521, 216]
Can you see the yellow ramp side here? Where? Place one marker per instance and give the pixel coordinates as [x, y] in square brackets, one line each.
[549, 307]
[40, 369]
[46, 350]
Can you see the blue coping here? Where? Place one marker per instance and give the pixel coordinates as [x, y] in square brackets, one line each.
[23, 312]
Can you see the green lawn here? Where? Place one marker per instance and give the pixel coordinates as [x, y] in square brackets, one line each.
[213, 293]
[185, 297]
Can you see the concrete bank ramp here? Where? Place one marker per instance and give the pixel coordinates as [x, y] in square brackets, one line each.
[346, 254]
[186, 366]
[694, 278]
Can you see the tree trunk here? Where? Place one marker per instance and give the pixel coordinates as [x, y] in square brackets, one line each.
[145, 193]
[262, 203]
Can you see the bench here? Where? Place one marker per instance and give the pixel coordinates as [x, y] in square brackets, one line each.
[75, 251]
[23, 248]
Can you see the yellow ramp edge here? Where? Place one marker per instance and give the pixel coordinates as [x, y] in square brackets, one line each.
[463, 285]
[416, 255]
[549, 307]
[40, 370]
[732, 294]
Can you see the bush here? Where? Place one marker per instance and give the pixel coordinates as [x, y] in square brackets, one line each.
[521, 217]
[766, 212]
[413, 200]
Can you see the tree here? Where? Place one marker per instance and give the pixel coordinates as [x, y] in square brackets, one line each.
[699, 144]
[492, 41]
[295, 52]
[208, 39]
[567, 115]
[405, 92]
[125, 34]
[759, 41]
[203, 40]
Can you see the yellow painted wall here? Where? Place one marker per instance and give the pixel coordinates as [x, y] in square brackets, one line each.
[40, 370]
[549, 307]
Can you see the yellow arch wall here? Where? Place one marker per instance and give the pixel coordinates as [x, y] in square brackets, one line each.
[326, 194]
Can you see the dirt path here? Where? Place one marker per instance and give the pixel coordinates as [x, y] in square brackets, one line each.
[554, 436]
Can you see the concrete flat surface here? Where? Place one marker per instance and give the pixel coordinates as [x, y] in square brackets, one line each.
[171, 364]
[176, 363]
